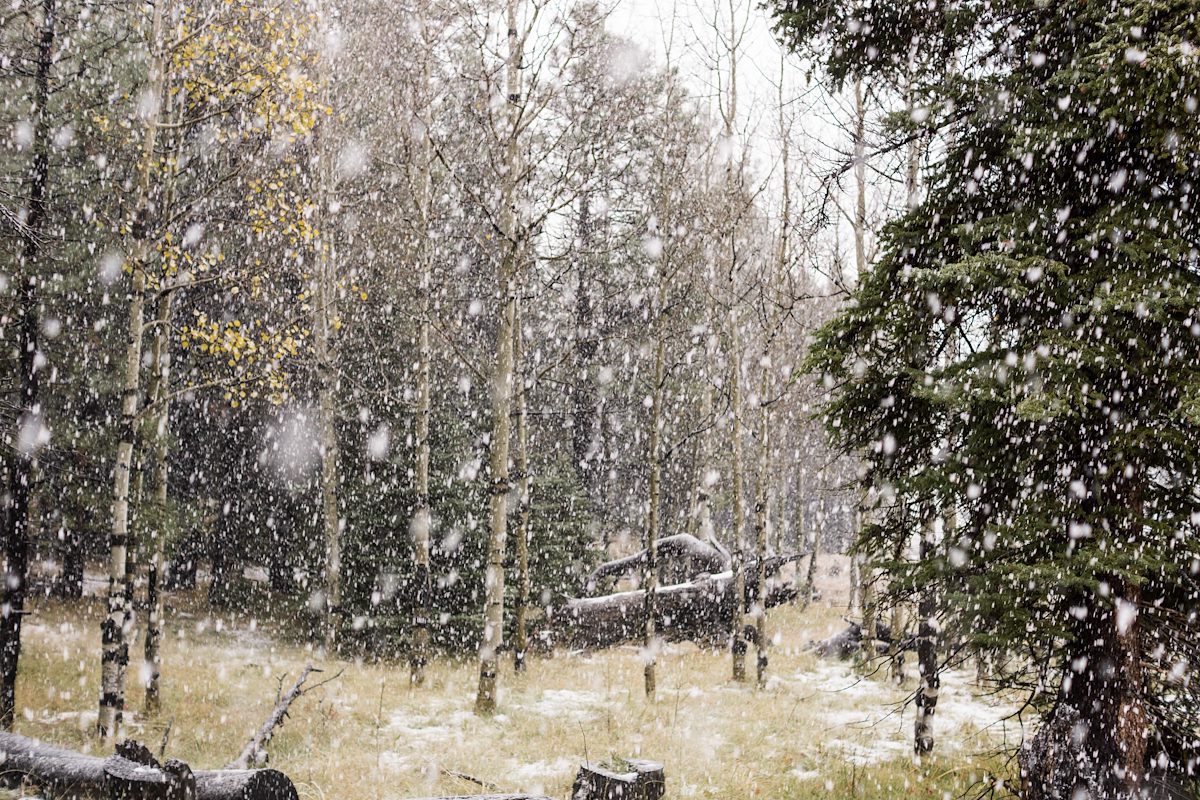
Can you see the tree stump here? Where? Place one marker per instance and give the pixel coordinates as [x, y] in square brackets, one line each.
[634, 779]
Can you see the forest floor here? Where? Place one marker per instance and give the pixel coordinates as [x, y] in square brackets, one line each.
[818, 729]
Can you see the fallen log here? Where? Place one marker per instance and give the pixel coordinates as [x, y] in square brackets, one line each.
[132, 780]
[61, 773]
[680, 555]
[634, 779]
[699, 611]
[848, 641]
[244, 784]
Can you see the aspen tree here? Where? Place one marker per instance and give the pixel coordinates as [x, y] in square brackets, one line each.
[654, 458]
[731, 42]
[423, 197]
[520, 632]
[115, 651]
[503, 374]
[324, 315]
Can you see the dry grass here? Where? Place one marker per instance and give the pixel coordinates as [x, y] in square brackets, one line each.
[817, 730]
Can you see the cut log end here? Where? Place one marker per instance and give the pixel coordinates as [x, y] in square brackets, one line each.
[244, 784]
[635, 779]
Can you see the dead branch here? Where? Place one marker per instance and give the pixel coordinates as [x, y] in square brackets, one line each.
[255, 750]
[462, 776]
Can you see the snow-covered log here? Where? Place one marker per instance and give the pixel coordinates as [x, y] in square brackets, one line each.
[699, 610]
[681, 555]
[635, 779]
[61, 773]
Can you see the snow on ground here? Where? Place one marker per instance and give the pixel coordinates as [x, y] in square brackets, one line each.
[859, 720]
[422, 731]
[870, 720]
[532, 774]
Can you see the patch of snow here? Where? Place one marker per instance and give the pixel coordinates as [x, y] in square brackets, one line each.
[804, 774]
[522, 773]
[877, 752]
[569, 703]
[422, 729]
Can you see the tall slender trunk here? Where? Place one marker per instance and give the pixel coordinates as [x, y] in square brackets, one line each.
[521, 634]
[22, 465]
[701, 516]
[654, 456]
[160, 403]
[898, 624]
[331, 525]
[583, 400]
[866, 585]
[502, 379]
[739, 645]
[927, 655]
[761, 520]
[502, 383]
[156, 566]
[854, 604]
[324, 313]
[810, 576]
[115, 652]
[860, 180]
[423, 516]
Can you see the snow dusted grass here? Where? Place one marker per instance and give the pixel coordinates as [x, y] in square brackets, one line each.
[819, 729]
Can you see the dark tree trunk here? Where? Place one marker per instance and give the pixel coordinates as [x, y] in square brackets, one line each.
[222, 567]
[280, 571]
[927, 658]
[584, 406]
[1104, 699]
[69, 585]
[21, 468]
[181, 574]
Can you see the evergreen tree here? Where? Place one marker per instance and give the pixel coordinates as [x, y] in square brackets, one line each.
[1024, 358]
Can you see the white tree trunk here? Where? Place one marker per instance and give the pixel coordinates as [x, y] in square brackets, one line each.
[761, 521]
[114, 650]
[739, 645]
[324, 314]
[927, 655]
[502, 382]
[423, 515]
[157, 561]
[654, 456]
[521, 634]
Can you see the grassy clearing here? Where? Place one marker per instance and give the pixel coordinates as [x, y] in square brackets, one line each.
[817, 730]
